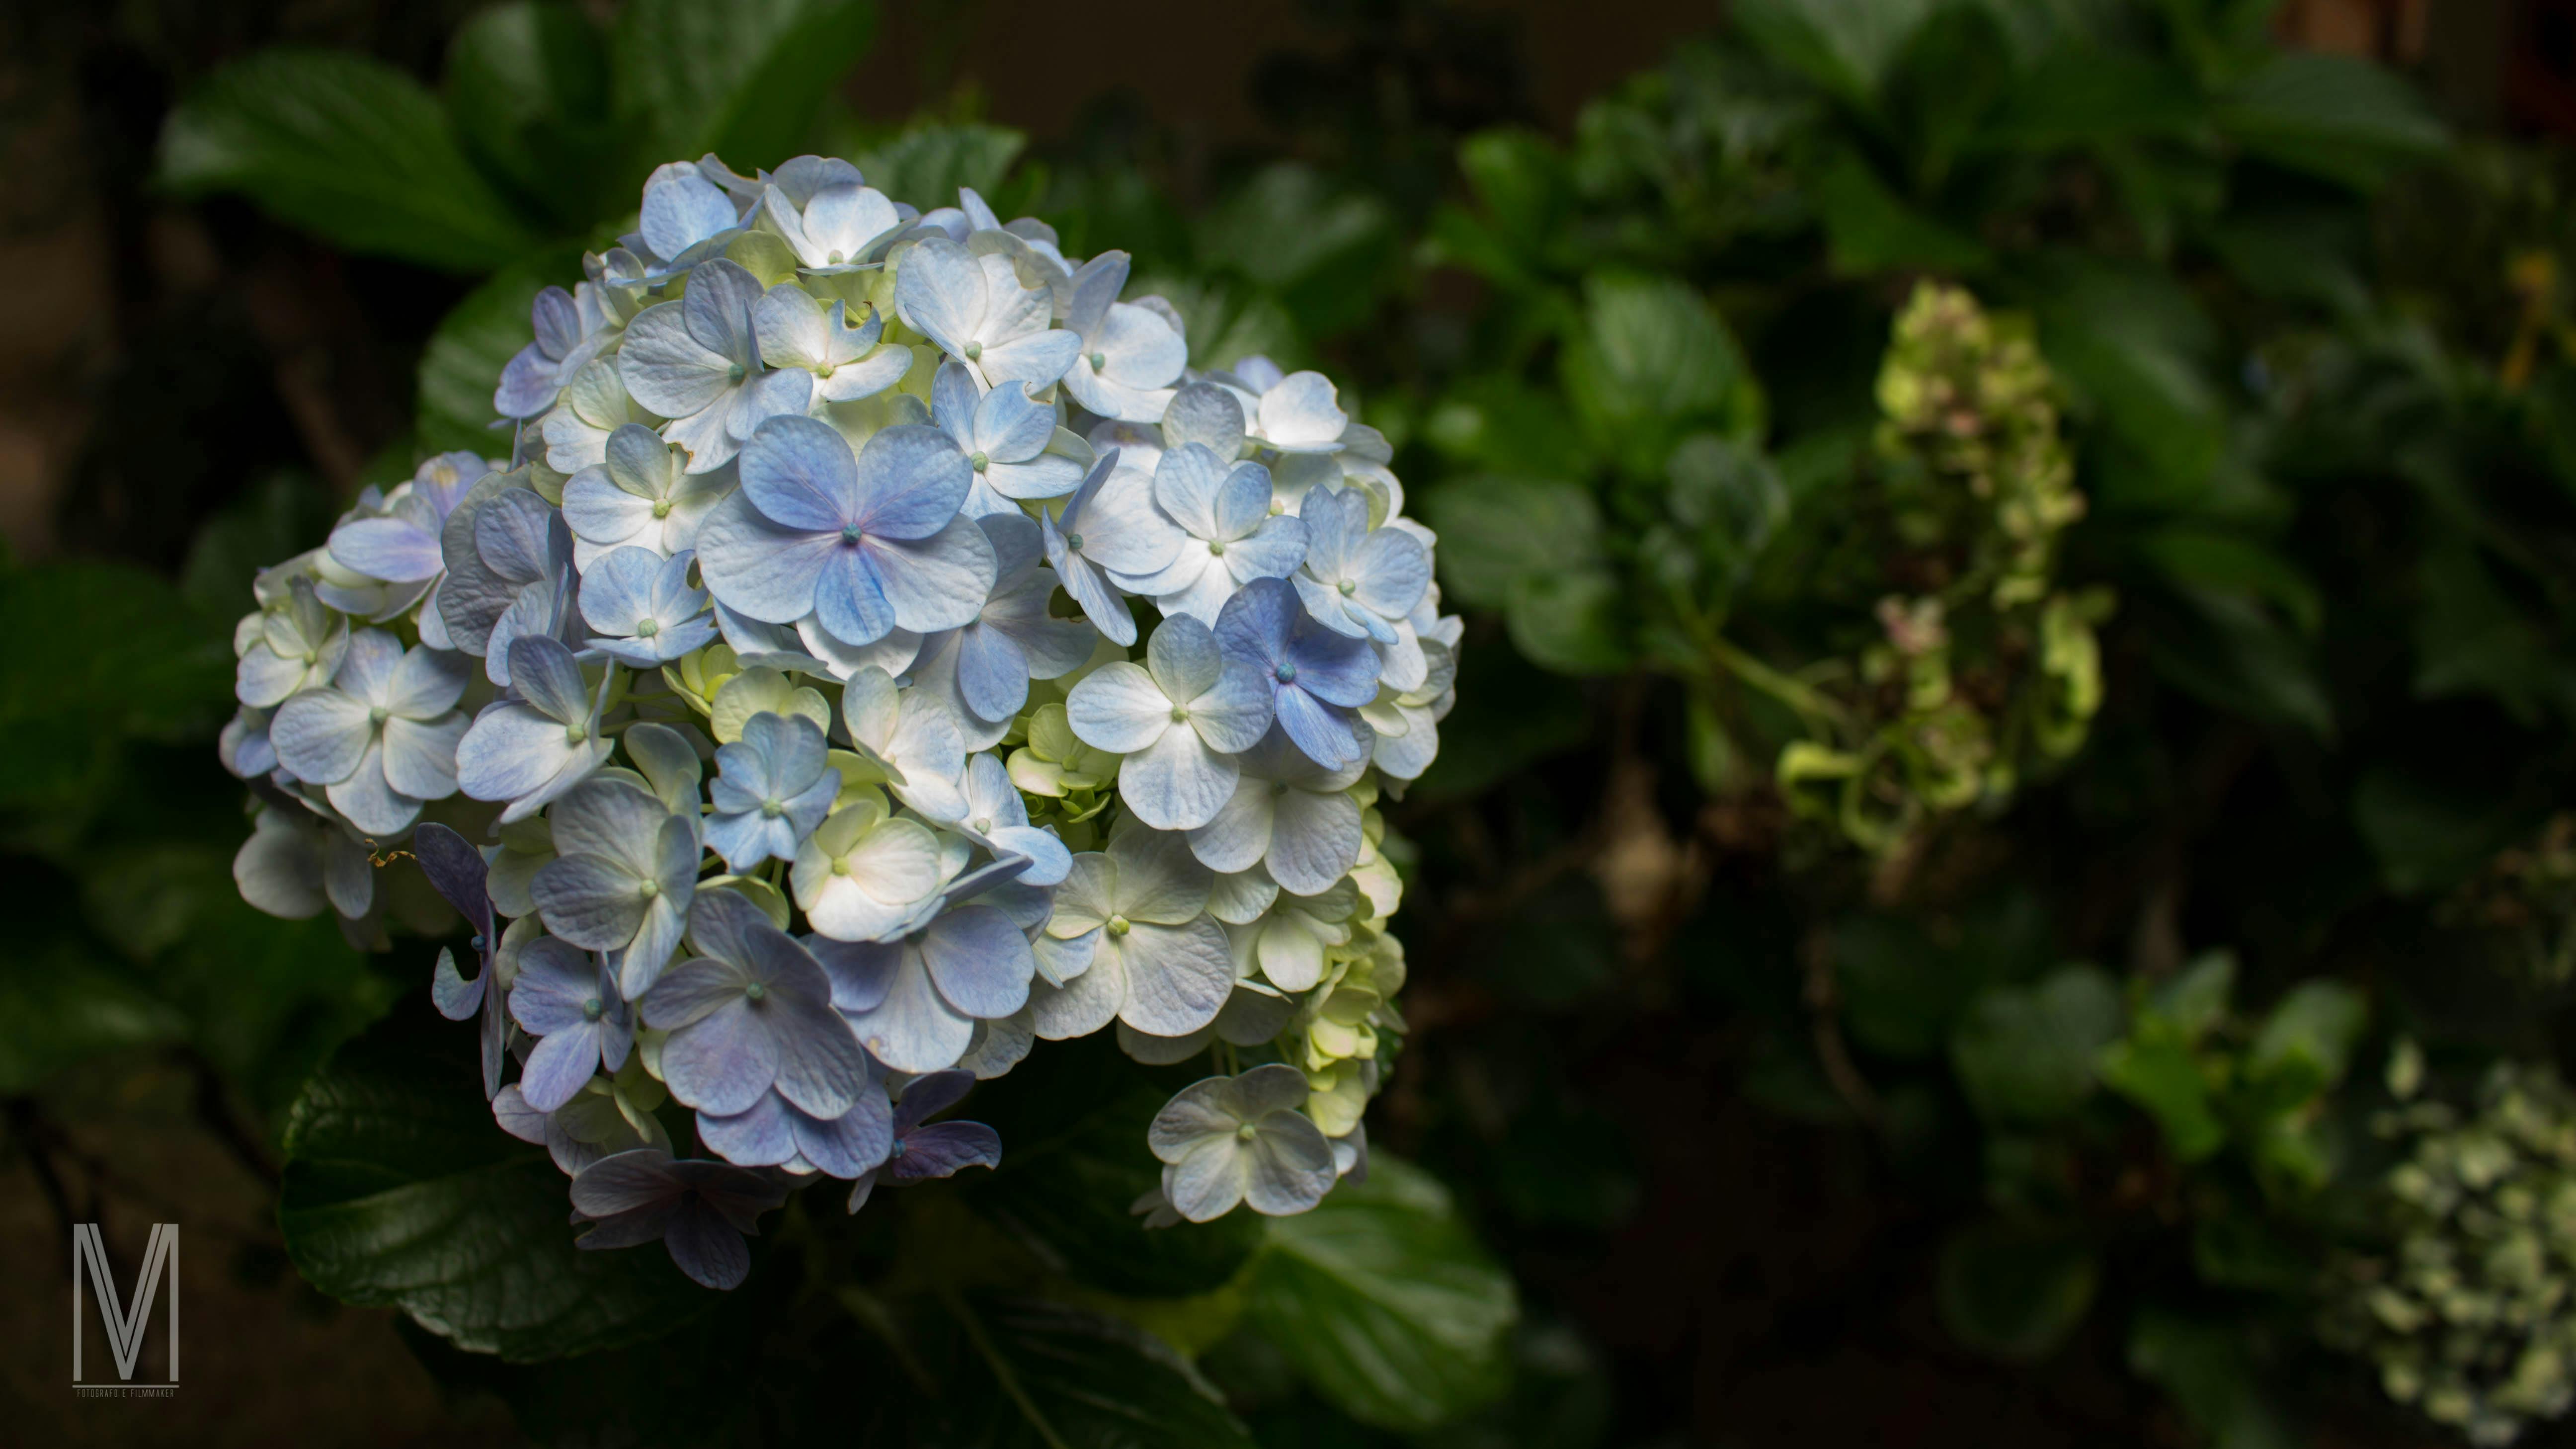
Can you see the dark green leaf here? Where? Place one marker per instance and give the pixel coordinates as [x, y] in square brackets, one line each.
[2026, 1053]
[2471, 639]
[2135, 348]
[528, 86]
[462, 364]
[1569, 622]
[2430, 834]
[1844, 46]
[348, 148]
[1064, 1378]
[101, 654]
[402, 1192]
[61, 1004]
[1326, 252]
[1872, 230]
[744, 79]
[1385, 1302]
[2015, 1291]
[1731, 497]
[2156, 1068]
[1073, 1120]
[2078, 95]
[1650, 353]
[1496, 532]
[2210, 1368]
[2336, 116]
[926, 164]
[2310, 1035]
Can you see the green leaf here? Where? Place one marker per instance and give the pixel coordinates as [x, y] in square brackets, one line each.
[2210, 1370]
[1731, 497]
[1903, 988]
[1384, 1301]
[99, 654]
[1649, 353]
[1844, 46]
[2431, 834]
[2334, 116]
[348, 148]
[1496, 532]
[2136, 349]
[1522, 181]
[402, 1192]
[2308, 1039]
[281, 514]
[2471, 639]
[1328, 254]
[1061, 1377]
[2198, 558]
[477, 338]
[1569, 622]
[2231, 651]
[2156, 1069]
[2026, 1054]
[2195, 999]
[60, 1004]
[2085, 94]
[1228, 320]
[528, 86]
[926, 164]
[1872, 230]
[1073, 1121]
[744, 79]
[2014, 1291]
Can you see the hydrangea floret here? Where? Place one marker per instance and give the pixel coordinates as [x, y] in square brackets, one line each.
[875, 649]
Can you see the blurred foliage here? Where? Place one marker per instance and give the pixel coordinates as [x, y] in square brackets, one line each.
[2021, 653]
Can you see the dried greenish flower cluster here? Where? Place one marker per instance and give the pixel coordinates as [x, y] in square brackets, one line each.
[1985, 668]
[2468, 1312]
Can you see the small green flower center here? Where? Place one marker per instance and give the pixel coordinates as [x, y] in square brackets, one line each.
[897, 1150]
[771, 809]
[1348, 587]
[979, 460]
[983, 825]
[378, 715]
[1246, 1132]
[827, 369]
[840, 865]
[647, 628]
[974, 352]
[577, 732]
[734, 373]
[661, 508]
[591, 1009]
[1179, 714]
[834, 259]
[1277, 507]
[1099, 360]
[1286, 673]
[475, 942]
[1118, 926]
[649, 889]
[754, 992]
[1217, 546]
[1073, 542]
[849, 533]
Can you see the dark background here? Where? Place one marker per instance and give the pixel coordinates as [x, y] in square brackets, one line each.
[1747, 1280]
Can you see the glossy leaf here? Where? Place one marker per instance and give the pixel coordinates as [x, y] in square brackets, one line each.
[1384, 1301]
[402, 1192]
[345, 147]
[743, 79]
